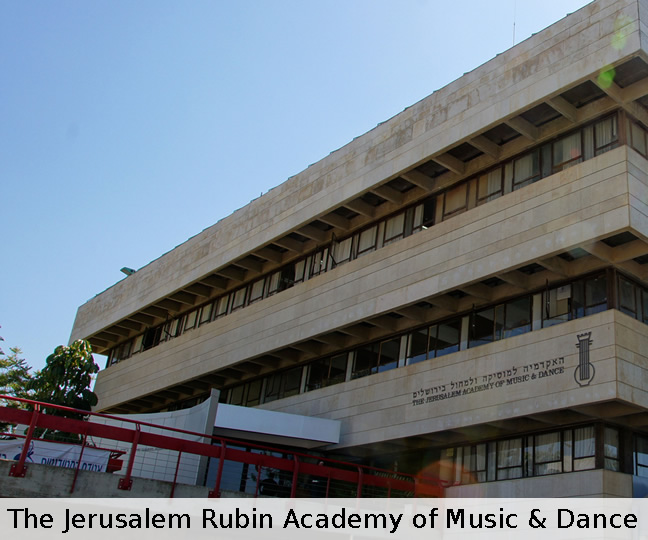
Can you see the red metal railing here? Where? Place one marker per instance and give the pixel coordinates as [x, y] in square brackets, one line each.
[300, 474]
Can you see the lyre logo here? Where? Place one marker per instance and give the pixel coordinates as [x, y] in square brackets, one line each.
[585, 370]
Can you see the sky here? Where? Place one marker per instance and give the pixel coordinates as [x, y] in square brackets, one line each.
[126, 127]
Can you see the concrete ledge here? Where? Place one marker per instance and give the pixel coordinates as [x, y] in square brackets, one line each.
[47, 481]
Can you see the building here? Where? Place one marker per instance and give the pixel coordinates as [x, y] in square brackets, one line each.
[464, 288]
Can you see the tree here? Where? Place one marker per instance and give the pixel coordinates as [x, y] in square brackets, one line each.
[15, 378]
[66, 378]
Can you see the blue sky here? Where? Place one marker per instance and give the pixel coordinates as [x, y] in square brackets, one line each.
[127, 127]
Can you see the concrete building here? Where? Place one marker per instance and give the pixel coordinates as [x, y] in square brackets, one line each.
[464, 288]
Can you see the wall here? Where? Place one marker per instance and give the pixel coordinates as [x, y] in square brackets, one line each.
[159, 464]
[566, 53]
[579, 205]
[512, 378]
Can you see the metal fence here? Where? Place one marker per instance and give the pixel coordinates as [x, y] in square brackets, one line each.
[233, 466]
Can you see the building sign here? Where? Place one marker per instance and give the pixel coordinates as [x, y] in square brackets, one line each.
[56, 454]
[515, 375]
[584, 372]
[497, 380]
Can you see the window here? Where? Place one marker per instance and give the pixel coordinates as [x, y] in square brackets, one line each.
[605, 135]
[417, 346]
[394, 228]
[509, 459]
[256, 290]
[584, 448]
[574, 300]
[638, 138]
[300, 271]
[641, 456]
[487, 326]
[629, 298]
[455, 200]
[424, 214]
[342, 250]
[151, 337]
[375, 358]
[222, 305]
[190, 320]
[547, 454]
[517, 317]
[326, 372]
[273, 283]
[595, 295]
[526, 169]
[490, 185]
[367, 241]
[611, 449]
[137, 344]
[445, 338]
[567, 151]
[238, 298]
[566, 450]
[206, 313]
[284, 384]
[557, 305]
[319, 262]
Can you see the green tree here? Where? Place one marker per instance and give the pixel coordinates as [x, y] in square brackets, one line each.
[15, 376]
[67, 376]
[65, 380]
[15, 379]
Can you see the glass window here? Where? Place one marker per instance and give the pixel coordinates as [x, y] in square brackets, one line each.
[641, 456]
[190, 320]
[342, 250]
[605, 135]
[281, 385]
[394, 228]
[638, 138]
[367, 241]
[319, 262]
[518, 317]
[509, 459]
[206, 313]
[238, 298]
[567, 151]
[628, 297]
[595, 295]
[487, 326]
[174, 327]
[389, 351]
[584, 448]
[300, 270]
[273, 283]
[236, 395]
[365, 361]
[526, 169]
[446, 339]
[253, 393]
[548, 459]
[424, 214]
[417, 345]
[557, 305]
[326, 372]
[256, 290]
[137, 344]
[611, 449]
[455, 200]
[490, 185]
[222, 305]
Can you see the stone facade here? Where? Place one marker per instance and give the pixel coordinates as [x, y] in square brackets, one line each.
[461, 285]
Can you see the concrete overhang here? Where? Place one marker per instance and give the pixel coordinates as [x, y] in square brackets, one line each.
[275, 427]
